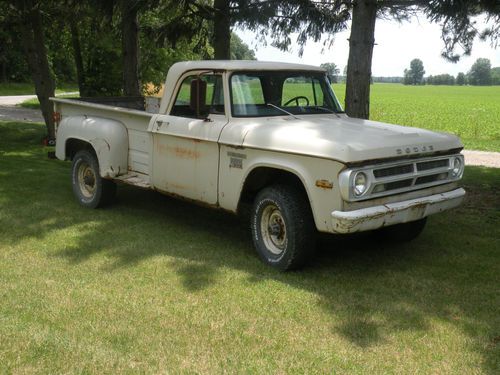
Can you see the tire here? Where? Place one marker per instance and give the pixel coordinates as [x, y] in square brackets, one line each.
[403, 232]
[90, 189]
[282, 226]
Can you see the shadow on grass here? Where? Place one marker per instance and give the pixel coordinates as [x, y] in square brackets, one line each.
[373, 289]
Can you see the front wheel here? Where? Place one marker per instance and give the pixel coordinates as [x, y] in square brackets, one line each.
[90, 189]
[282, 227]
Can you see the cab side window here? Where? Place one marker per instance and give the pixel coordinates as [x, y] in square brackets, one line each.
[214, 97]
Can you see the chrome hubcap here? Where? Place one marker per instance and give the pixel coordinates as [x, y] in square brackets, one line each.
[273, 229]
[86, 180]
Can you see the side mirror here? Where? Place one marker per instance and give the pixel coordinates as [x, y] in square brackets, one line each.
[198, 98]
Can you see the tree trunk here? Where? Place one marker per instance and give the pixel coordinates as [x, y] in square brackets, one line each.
[359, 64]
[222, 30]
[130, 49]
[32, 37]
[77, 54]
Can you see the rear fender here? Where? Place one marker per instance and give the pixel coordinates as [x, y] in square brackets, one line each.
[108, 138]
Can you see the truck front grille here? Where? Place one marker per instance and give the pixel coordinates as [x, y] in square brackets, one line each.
[393, 171]
[433, 164]
[402, 176]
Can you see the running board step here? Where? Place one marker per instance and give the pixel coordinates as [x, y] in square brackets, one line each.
[135, 180]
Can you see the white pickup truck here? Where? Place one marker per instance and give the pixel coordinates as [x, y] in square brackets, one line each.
[270, 136]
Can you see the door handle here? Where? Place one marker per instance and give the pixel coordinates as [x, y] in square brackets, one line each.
[159, 124]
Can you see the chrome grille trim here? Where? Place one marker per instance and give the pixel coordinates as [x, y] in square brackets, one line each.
[401, 176]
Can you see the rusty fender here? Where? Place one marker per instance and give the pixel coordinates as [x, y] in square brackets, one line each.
[395, 213]
[109, 139]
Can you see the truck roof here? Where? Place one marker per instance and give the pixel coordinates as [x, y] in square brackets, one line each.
[184, 66]
[178, 69]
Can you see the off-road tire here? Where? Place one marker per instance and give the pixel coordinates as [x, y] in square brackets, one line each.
[298, 241]
[403, 232]
[90, 189]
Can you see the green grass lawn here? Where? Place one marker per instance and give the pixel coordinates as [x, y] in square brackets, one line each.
[471, 112]
[155, 285]
[13, 88]
[35, 104]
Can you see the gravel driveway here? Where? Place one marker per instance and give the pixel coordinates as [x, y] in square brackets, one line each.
[9, 112]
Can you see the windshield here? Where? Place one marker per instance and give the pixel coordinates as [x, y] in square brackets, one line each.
[278, 93]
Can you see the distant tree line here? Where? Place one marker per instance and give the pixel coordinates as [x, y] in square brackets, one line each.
[480, 74]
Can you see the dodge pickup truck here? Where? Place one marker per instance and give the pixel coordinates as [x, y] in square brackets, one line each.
[268, 136]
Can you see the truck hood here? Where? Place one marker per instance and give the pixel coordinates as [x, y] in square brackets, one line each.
[340, 138]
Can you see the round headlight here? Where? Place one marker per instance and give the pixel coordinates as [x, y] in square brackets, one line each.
[360, 184]
[457, 167]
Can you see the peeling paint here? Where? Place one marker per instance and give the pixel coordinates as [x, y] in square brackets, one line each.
[324, 184]
[389, 214]
[178, 152]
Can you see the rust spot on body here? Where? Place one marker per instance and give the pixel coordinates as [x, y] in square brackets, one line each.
[324, 184]
[174, 186]
[184, 153]
[178, 152]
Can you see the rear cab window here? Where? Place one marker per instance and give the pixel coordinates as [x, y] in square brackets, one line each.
[214, 98]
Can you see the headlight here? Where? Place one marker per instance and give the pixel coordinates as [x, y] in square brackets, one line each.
[457, 167]
[360, 183]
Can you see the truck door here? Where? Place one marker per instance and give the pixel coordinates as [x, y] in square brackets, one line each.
[185, 148]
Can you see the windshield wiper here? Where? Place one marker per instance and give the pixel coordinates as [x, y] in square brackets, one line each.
[282, 110]
[327, 110]
[324, 108]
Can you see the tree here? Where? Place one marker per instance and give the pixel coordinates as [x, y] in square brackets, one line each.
[332, 70]
[495, 76]
[224, 14]
[222, 30]
[414, 75]
[28, 23]
[441, 79]
[460, 80]
[240, 50]
[13, 66]
[171, 31]
[130, 46]
[480, 73]
[96, 44]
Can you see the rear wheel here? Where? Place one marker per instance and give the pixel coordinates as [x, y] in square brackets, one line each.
[282, 227]
[90, 189]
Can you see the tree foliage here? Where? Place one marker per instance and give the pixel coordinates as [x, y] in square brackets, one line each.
[414, 75]
[460, 80]
[495, 76]
[332, 70]
[441, 79]
[480, 72]
[239, 50]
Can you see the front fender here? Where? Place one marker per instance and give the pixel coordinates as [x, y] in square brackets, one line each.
[109, 139]
[309, 170]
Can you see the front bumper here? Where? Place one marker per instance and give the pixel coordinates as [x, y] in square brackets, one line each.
[395, 213]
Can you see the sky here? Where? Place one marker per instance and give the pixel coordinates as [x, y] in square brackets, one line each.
[396, 45]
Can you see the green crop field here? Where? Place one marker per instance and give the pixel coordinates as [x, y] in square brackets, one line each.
[471, 112]
[155, 285]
